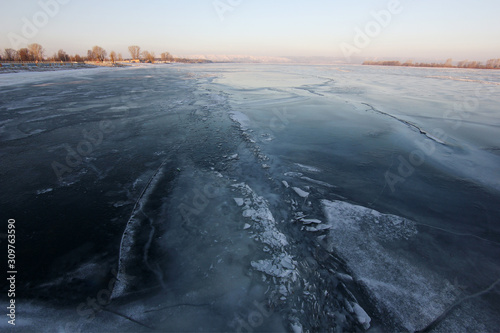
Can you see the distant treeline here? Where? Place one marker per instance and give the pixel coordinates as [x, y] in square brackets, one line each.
[35, 52]
[490, 64]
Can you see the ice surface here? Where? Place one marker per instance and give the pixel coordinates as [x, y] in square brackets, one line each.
[444, 77]
[311, 119]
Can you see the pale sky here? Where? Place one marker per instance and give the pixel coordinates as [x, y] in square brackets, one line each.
[436, 29]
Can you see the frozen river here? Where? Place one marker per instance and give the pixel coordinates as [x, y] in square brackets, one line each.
[231, 197]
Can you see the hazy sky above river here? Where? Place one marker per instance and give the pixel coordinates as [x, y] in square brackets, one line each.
[404, 29]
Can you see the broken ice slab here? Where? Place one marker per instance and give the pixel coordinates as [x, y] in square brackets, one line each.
[319, 228]
[361, 315]
[318, 182]
[239, 201]
[301, 192]
[310, 221]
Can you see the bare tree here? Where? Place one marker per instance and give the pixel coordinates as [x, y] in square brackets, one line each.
[36, 51]
[112, 56]
[449, 63]
[98, 53]
[152, 57]
[77, 58]
[149, 56]
[135, 51]
[10, 54]
[62, 56]
[493, 63]
[120, 58]
[165, 56]
[24, 55]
